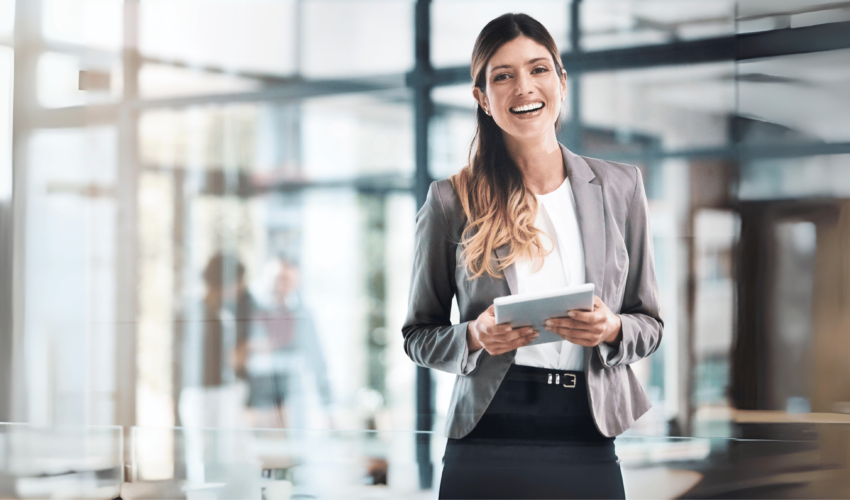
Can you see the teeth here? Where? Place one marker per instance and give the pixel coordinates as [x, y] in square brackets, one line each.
[528, 107]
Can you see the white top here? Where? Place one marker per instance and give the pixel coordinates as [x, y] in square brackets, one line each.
[556, 216]
[563, 267]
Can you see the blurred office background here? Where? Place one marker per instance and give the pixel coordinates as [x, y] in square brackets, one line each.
[159, 155]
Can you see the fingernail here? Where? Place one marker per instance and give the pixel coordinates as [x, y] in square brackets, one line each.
[571, 314]
[548, 323]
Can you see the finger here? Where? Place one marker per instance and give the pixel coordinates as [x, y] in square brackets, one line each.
[506, 330]
[512, 335]
[491, 310]
[573, 333]
[501, 349]
[522, 342]
[498, 330]
[508, 343]
[598, 304]
[585, 317]
[566, 323]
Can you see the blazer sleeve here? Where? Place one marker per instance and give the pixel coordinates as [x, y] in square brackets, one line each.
[430, 339]
[642, 326]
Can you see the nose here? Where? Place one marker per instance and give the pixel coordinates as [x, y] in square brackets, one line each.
[523, 84]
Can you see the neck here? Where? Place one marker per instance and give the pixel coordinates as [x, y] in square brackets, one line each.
[540, 161]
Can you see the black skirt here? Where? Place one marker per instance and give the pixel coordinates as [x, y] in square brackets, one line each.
[536, 440]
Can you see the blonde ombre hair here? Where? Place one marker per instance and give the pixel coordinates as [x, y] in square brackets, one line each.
[498, 206]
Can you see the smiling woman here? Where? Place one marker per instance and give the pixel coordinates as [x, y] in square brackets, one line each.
[527, 215]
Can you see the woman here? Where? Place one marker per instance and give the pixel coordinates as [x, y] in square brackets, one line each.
[527, 215]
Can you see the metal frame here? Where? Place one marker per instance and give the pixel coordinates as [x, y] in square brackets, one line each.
[421, 81]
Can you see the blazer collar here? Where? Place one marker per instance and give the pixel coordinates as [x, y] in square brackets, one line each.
[591, 222]
[577, 167]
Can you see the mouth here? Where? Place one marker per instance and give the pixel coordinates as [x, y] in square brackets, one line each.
[527, 108]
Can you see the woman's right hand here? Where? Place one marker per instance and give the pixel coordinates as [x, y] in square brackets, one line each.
[496, 339]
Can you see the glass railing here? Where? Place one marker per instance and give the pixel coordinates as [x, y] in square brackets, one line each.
[191, 463]
[63, 462]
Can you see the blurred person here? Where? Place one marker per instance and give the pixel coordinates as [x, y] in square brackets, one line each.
[280, 354]
[528, 215]
[215, 386]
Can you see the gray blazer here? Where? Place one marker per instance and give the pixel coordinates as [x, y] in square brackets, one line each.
[613, 219]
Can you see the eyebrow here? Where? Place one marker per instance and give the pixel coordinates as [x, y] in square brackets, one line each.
[530, 61]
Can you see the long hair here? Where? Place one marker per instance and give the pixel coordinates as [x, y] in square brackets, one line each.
[497, 204]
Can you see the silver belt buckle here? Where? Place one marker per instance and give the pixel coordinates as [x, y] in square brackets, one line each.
[569, 378]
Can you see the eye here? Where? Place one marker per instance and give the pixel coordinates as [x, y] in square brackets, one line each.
[500, 77]
[540, 69]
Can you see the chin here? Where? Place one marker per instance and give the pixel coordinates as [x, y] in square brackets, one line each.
[537, 131]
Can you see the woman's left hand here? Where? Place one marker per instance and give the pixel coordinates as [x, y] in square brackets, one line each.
[586, 328]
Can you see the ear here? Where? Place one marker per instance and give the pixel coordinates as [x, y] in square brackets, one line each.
[564, 83]
[481, 98]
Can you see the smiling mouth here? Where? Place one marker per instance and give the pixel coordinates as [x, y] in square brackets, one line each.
[527, 108]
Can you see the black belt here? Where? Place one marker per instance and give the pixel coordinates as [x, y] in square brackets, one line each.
[544, 376]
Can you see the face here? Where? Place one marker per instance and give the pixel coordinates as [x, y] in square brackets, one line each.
[524, 89]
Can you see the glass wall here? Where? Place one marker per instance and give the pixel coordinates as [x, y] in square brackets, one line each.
[214, 201]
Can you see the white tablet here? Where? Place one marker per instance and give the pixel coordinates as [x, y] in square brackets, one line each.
[533, 309]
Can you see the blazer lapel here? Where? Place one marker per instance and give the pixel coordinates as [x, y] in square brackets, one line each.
[510, 272]
[590, 215]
